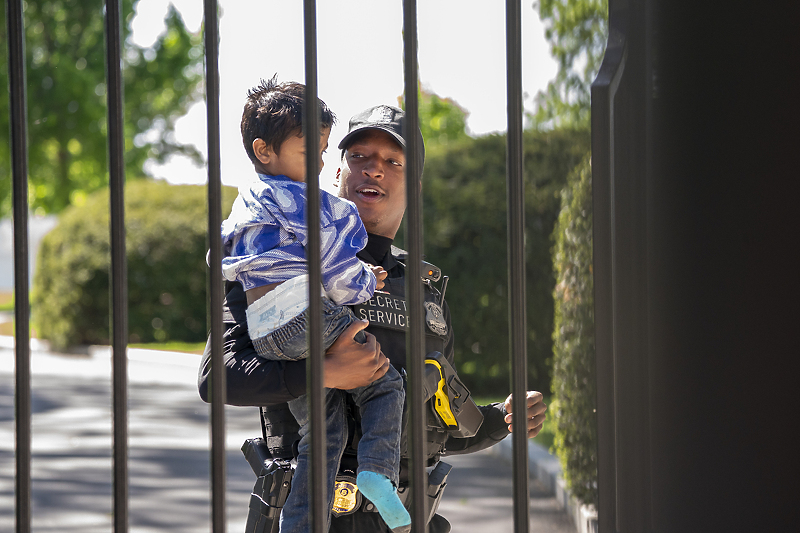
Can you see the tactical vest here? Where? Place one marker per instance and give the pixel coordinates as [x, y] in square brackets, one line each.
[387, 313]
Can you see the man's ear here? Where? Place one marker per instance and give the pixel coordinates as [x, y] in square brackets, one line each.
[263, 152]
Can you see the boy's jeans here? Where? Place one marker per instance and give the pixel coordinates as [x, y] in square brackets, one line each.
[380, 404]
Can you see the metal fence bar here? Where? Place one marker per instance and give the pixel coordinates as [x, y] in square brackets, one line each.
[119, 275]
[218, 390]
[416, 345]
[315, 369]
[415, 349]
[19, 163]
[516, 265]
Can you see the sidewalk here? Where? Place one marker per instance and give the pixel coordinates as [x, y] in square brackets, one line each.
[169, 452]
[545, 472]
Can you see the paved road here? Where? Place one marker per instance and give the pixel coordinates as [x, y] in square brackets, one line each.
[169, 458]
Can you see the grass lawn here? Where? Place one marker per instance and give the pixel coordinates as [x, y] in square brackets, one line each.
[7, 308]
[187, 347]
[6, 300]
[7, 328]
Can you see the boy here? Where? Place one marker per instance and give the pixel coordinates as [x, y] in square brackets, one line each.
[264, 242]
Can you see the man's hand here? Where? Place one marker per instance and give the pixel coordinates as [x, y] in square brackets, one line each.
[536, 409]
[350, 364]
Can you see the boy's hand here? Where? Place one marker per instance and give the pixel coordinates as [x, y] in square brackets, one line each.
[350, 364]
[380, 275]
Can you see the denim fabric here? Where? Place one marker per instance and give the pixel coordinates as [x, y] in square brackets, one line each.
[380, 404]
[381, 407]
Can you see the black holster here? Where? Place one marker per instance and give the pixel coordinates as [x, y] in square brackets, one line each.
[437, 481]
[273, 483]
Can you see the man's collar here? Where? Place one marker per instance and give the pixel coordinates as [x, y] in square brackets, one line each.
[399, 253]
[379, 251]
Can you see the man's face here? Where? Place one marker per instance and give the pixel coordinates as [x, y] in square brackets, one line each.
[372, 177]
[291, 160]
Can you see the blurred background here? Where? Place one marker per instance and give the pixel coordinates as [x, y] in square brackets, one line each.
[463, 116]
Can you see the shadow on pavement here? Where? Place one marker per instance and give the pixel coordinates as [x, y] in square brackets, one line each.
[169, 460]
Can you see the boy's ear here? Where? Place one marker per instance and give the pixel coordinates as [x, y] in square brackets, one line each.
[263, 152]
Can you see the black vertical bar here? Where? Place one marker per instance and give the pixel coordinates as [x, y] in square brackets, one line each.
[415, 350]
[119, 289]
[19, 163]
[516, 265]
[316, 393]
[218, 392]
[604, 91]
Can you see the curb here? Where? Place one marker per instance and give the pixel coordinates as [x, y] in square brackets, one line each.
[143, 365]
[546, 468]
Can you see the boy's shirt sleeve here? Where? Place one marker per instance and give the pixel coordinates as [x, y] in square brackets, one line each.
[346, 279]
[265, 235]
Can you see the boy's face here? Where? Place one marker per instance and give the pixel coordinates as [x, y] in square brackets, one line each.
[291, 160]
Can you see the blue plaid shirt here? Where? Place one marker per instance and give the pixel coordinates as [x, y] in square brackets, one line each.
[264, 240]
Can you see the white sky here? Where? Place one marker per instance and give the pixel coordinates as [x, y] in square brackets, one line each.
[360, 64]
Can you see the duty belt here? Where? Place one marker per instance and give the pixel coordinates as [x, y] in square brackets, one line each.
[274, 481]
[347, 499]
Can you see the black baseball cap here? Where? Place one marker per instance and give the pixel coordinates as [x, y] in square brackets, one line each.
[380, 117]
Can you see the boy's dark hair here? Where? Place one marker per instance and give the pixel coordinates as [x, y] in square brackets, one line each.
[274, 111]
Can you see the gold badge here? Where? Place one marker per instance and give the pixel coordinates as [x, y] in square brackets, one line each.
[434, 318]
[344, 497]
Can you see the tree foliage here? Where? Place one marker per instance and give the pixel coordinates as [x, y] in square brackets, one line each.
[464, 195]
[574, 386]
[166, 243]
[66, 93]
[442, 121]
[464, 203]
[577, 31]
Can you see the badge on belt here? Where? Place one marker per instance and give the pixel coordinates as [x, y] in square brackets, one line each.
[346, 497]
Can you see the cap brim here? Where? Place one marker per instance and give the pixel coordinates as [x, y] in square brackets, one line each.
[351, 134]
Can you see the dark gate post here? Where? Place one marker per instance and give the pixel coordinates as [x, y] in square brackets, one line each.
[119, 270]
[515, 196]
[22, 346]
[218, 383]
[694, 134]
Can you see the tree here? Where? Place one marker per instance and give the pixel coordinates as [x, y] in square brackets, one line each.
[464, 201]
[66, 91]
[577, 31]
[464, 205]
[442, 121]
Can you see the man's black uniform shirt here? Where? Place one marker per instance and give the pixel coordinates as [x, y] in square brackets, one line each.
[255, 381]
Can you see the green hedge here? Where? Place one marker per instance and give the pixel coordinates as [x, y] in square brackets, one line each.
[166, 243]
[574, 388]
[465, 210]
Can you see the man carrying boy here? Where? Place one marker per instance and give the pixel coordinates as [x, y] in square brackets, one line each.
[372, 176]
[264, 241]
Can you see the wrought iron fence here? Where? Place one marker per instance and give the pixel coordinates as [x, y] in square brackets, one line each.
[16, 47]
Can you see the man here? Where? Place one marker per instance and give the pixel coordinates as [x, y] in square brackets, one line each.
[372, 177]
